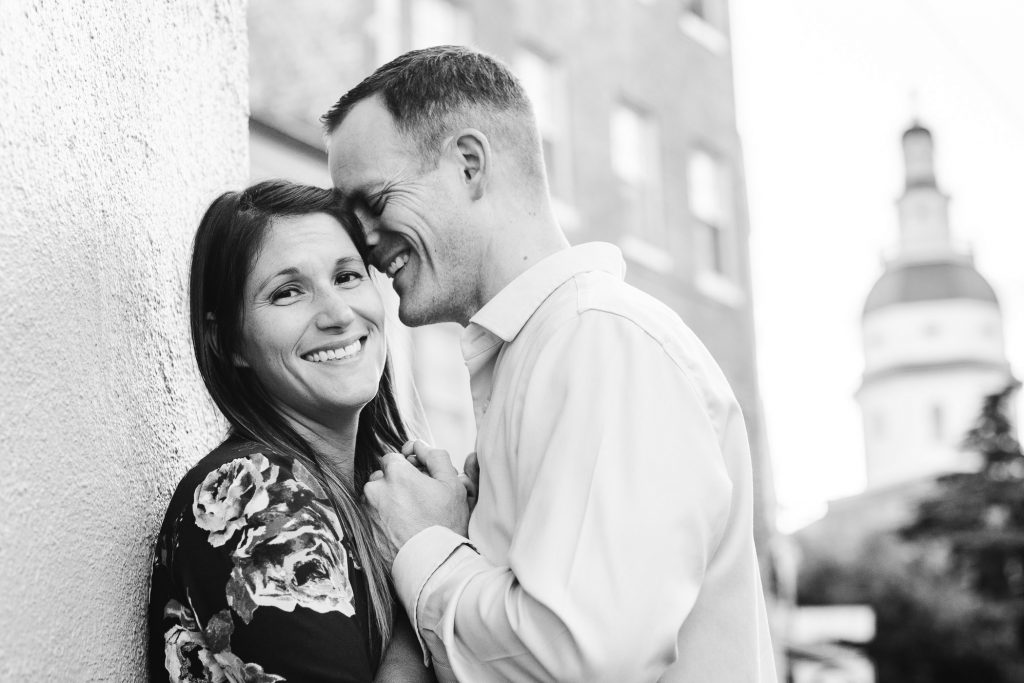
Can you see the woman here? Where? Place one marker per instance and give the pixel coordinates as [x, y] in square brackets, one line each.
[266, 567]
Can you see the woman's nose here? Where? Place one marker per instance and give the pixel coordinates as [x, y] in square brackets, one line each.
[335, 311]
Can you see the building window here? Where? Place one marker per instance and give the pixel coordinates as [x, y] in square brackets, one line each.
[938, 422]
[878, 425]
[385, 25]
[706, 181]
[438, 22]
[705, 21]
[544, 82]
[636, 163]
[711, 12]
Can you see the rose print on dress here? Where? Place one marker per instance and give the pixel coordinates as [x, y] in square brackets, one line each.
[260, 534]
[291, 555]
[193, 654]
[230, 494]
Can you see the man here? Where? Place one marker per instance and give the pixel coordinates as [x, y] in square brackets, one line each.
[612, 539]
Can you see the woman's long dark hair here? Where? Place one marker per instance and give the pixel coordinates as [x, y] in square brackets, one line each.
[227, 243]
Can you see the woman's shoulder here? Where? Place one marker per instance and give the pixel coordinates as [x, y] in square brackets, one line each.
[232, 449]
[258, 508]
[235, 477]
[250, 539]
[239, 455]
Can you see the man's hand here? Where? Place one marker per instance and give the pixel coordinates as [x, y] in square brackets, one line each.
[470, 475]
[407, 501]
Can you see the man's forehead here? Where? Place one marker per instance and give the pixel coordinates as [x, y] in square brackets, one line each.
[364, 144]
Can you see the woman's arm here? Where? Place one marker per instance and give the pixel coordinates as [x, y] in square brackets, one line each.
[403, 660]
[228, 599]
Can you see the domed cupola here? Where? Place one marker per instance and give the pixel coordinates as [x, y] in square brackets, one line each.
[907, 282]
[933, 336]
[927, 267]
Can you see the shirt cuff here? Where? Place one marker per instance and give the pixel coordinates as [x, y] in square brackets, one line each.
[415, 563]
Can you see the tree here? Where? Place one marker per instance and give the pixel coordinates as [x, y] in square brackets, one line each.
[947, 588]
[979, 516]
[975, 521]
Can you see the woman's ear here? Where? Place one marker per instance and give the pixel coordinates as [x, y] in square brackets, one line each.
[212, 340]
[210, 334]
[474, 156]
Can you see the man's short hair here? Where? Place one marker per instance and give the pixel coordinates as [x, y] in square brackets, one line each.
[432, 91]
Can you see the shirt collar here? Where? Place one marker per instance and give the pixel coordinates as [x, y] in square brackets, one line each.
[507, 312]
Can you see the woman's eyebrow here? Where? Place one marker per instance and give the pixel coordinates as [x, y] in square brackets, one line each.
[287, 271]
[349, 261]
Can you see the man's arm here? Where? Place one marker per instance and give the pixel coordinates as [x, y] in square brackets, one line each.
[622, 496]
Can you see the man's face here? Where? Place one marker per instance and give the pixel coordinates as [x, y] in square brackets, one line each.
[415, 215]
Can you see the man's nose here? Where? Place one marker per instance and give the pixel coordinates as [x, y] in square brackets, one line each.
[335, 311]
[370, 231]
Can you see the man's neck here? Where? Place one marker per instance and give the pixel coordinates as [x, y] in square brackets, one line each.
[519, 243]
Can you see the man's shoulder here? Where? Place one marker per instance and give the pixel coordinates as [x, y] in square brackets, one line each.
[592, 304]
[617, 303]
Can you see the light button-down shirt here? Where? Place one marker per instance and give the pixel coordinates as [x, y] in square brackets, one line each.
[612, 539]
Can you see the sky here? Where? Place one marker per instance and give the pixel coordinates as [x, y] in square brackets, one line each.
[824, 90]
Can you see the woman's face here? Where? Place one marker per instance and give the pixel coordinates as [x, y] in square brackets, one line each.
[313, 322]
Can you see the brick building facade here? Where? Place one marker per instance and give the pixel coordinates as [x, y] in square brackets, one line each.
[635, 103]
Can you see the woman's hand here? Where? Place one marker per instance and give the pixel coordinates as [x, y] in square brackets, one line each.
[470, 478]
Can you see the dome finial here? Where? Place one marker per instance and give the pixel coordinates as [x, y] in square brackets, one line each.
[918, 154]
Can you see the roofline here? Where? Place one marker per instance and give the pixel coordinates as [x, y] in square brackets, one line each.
[282, 134]
[928, 368]
[913, 302]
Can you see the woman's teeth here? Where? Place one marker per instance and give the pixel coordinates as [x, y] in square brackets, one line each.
[335, 354]
[397, 264]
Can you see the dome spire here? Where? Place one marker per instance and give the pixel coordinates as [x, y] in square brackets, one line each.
[918, 156]
[923, 208]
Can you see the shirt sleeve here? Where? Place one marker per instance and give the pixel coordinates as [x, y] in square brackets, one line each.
[622, 497]
[258, 583]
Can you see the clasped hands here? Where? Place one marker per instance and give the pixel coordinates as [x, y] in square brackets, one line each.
[420, 488]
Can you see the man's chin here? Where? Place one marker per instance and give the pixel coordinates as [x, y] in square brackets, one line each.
[412, 315]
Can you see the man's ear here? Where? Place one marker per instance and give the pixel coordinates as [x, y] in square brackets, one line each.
[474, 158]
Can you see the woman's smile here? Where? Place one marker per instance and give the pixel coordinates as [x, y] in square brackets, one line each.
[314, 309]
[336, 351]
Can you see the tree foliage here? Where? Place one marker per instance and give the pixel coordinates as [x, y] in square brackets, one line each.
[948, 588]
[979, 516]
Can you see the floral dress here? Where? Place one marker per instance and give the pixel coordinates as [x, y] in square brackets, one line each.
[254, 578]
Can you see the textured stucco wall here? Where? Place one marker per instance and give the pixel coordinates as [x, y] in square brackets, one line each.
[119, 122]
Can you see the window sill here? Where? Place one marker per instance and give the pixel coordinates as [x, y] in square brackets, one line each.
[721, 289]
[704, 33]
[646, 254]
[567, 216]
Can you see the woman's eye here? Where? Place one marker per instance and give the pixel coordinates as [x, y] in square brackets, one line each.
[285, 295]
[348, 277]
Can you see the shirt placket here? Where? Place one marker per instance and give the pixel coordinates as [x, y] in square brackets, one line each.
[481, 378]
